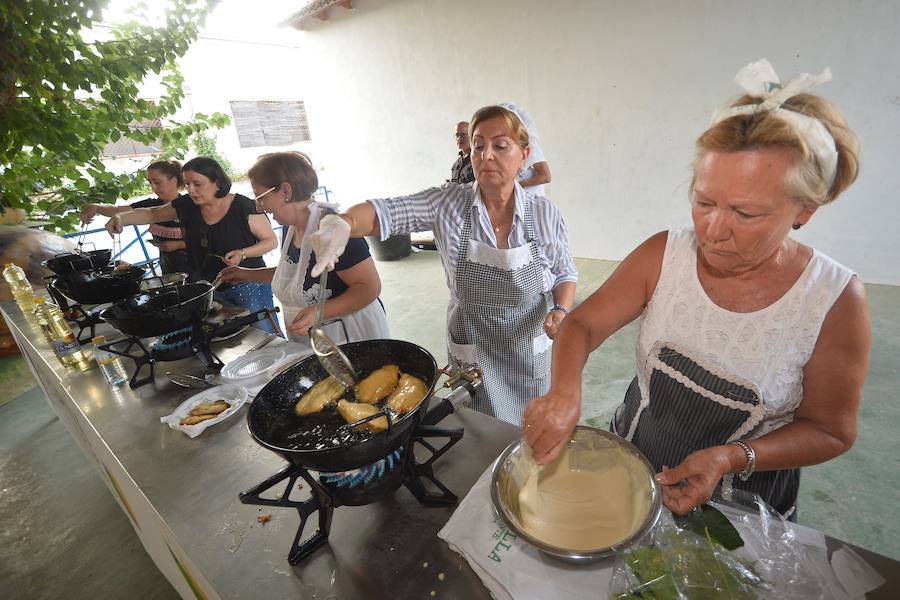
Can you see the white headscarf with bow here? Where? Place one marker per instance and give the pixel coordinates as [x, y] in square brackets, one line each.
[759, 79]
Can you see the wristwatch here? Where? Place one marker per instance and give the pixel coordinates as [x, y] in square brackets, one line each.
[751, 459]
[243, 255]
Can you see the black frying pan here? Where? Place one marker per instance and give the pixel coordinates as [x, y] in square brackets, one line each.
[161, 310]
[78, 261]
[320, 442]
[98, 286]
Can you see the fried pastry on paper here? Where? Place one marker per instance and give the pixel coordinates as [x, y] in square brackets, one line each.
[210, 408]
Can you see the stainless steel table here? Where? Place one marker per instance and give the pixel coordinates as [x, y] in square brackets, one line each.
[181, 495]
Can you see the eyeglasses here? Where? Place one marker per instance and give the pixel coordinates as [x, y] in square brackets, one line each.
[260, 197]
[461, 135]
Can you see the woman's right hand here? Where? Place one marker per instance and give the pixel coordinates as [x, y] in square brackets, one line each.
[88, 212]
[329, 243]
[114, 225]
[234, 275]
[549, 422]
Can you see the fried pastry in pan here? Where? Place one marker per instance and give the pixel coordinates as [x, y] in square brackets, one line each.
[354, 411]
[376, 387]
[322, 395]
[410, 391]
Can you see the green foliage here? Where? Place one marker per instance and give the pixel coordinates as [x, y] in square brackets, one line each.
[63, 97]
[205, 145]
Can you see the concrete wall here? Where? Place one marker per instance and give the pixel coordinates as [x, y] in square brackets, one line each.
[619, 90]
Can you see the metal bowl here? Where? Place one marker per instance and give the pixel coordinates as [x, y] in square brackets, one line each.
[590, 449]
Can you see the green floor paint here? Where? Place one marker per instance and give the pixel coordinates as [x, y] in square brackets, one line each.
[15, 378]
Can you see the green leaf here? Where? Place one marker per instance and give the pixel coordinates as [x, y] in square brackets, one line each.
[710, 522]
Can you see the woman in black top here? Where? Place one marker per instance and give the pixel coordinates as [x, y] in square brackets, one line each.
[165, 180]
[220, 229]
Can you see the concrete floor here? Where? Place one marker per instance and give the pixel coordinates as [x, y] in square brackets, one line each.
[63, 536]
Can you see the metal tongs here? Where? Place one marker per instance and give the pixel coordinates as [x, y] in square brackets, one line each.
[116, 249]
[328, 353]
[80, 242]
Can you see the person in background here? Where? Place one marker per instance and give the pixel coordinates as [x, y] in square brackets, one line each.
[535, 172]
[506, 258]
[753, 347]
[461, 171]
[165, 179]
[284, 183]
[220, 229]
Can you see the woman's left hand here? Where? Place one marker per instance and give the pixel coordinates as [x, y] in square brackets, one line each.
[693, 481]
[233, 258]
[303, 321]
[552, 322]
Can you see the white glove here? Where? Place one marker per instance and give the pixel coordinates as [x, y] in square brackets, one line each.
[329, 243]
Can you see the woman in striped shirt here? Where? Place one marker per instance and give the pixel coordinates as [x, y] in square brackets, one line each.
[506, 258]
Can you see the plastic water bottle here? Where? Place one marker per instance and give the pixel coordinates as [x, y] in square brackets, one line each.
[110, 365]
[20, 287]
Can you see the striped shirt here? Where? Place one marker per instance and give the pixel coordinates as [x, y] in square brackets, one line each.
[442, 209]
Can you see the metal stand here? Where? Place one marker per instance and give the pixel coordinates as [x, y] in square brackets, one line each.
[324, 498]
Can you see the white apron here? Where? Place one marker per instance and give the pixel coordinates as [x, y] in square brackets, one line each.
[368, 323]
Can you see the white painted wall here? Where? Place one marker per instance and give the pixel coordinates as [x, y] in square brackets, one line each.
[619, 90]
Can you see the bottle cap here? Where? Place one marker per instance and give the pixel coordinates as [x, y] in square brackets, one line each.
[98, 339]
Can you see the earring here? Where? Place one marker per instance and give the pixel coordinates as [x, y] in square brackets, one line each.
[796, 226]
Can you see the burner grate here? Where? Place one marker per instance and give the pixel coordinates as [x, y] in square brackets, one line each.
[176, 345]
[355, 488]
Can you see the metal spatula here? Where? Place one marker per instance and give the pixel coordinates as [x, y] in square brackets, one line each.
[330, 356]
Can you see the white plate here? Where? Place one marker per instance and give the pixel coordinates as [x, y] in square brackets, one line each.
[235, 395]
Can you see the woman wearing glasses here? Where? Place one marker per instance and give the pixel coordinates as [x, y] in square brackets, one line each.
[284, 183]
[506, 256]
[221, 229]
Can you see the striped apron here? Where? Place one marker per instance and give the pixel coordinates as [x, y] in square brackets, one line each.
[496, 320]
[689, 405]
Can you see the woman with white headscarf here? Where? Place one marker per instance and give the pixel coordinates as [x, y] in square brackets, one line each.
[505, 255]
[753, 348]
[535, 172]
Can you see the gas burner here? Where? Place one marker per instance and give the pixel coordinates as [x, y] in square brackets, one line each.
[179, 344]
[361, 486]
[173, 346]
